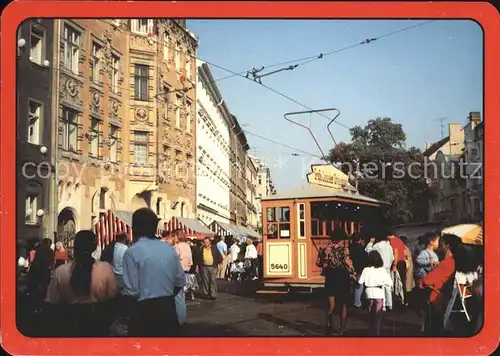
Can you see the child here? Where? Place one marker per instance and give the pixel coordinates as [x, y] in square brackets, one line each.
[375, 277]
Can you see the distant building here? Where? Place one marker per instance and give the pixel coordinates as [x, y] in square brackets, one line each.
[34, 163]
[251, 192]
[238, 146]
[264, 186]
[473, 153]
[214, 125]
[451, 164]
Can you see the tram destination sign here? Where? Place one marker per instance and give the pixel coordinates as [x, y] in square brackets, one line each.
[329, 176]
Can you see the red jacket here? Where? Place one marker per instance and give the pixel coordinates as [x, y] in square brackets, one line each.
[440, 281]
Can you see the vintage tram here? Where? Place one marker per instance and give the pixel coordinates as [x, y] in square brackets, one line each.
[298, 223]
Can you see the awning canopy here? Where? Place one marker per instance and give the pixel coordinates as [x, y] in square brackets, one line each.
[224, 229]
[248, 232]
[190, 226]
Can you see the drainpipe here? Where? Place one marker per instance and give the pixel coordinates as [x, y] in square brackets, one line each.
[55, 129]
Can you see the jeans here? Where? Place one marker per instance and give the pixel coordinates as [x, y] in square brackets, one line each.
[358, 293]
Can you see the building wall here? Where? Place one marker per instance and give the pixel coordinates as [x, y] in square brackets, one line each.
[474, 170]
[213, 125]
[238, 152]
[129, 100]
[251, 192]
[263, 188]
[34, 94]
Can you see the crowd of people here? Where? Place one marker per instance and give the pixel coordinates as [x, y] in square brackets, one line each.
[379, 271]
[142, 288]
[138, 288]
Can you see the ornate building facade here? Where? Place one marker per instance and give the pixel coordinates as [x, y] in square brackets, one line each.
[213, 126]
[125, 106]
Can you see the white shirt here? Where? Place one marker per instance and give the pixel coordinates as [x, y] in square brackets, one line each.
[374, 279]
[385, 250]
[235, 250]
[251, 252]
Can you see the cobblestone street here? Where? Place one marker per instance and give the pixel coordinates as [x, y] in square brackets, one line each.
[238, 311]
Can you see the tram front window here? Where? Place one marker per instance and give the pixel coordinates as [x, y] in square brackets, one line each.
[278, 223]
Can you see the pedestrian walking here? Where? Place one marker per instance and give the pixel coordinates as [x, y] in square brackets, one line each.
[40, 273]
[374, 277]
[120, 247]
[427, 259]
[152, 276]
[383, 247]
[209, 258]
[260, 259]
[222, 267]
[359, 259]
[336, 266]
[399, 264]
[61, 256]
[251, 258]
[80, 292]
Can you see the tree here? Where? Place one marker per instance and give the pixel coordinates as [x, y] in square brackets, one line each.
[386, 169]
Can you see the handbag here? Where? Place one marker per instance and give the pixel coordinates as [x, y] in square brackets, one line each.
[247, 263]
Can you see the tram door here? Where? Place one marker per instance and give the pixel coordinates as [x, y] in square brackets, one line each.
[280, 236]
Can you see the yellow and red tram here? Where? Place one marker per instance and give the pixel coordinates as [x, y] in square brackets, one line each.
[298, 223]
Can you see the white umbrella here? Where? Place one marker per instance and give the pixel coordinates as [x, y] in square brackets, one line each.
[471, 234]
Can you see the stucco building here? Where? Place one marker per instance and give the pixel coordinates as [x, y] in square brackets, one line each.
[251, 193]
[264, 187]
[34, 165]
[474, 159]
[214, 123]
[238, 147]
[126, 135]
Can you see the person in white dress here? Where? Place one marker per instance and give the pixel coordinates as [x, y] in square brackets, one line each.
[375, 279]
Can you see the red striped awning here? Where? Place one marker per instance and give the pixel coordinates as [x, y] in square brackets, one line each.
[108, 226]
[174, 224]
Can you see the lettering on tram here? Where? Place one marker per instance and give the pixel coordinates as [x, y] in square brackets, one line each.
[279, 266]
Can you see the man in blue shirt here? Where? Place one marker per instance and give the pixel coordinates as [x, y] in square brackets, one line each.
[152, 276]
[222, 267]
[119, 250]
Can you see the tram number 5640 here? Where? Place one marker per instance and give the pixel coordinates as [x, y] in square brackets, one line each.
[279, 266]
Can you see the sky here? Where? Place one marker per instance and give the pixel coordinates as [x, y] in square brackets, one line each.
[415, 77]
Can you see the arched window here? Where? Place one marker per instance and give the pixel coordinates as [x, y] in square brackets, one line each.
[102, 198]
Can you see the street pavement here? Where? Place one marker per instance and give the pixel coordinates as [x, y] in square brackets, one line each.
[239, 311]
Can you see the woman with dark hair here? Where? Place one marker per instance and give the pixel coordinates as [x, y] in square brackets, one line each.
[439, 284]
[375, 278]
[79, 291]
[359, 260]
[40, 273]
[338, 271]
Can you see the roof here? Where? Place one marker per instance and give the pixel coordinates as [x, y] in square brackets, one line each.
[435, 146]
[317, 191]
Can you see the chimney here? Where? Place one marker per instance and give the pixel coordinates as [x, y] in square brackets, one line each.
[475, 117]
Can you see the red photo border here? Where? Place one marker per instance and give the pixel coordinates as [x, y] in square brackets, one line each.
[15, 343]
